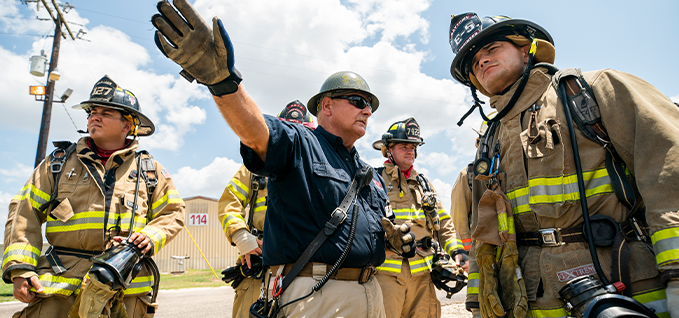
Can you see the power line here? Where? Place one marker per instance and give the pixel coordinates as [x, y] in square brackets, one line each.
[114, 16]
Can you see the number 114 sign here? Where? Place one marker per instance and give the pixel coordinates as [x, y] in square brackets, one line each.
[198, 219]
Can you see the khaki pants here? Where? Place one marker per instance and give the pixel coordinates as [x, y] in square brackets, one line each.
[336, 299]
[247, 294]
[58, 307]
[409, 296]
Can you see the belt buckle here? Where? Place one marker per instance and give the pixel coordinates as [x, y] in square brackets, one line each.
[366, 273]
[551, 237]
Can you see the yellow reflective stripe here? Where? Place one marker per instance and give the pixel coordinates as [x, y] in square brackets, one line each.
[88, 220]
[140, 285]
[231, 218]
[559, 189]
[408, 214]
[171, 196]
[157, 236]
[421, 265]
[21, 253]
[473, 284]
[452, 245]
[58, 285]
[443, 214]
[547, 312]
[656, 300]
[240, 190]
[390, 265]
[36, 196]
[666, 245]
[260, 204]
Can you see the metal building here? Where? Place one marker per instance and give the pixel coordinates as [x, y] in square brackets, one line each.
[202, 222]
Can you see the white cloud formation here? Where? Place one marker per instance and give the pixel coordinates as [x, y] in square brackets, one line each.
[20, 173]
[675, 99]
[443, 189]
[207, 181]
[163, 98]
[5, 198]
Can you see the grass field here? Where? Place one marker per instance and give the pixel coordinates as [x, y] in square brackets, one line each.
[190, 279]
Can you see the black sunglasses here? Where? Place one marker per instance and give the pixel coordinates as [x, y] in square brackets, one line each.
[358, 101]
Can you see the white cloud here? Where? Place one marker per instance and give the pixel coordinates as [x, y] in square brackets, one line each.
[20, 173]
[675, 99]
[163, 98]
[5, 198]
[208, 181]
[443, 189]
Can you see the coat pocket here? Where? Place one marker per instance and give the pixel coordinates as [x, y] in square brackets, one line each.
[64, 211]
[542, 139]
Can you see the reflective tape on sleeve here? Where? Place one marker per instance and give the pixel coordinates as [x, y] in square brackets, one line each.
[558, 312]
[559, 189]
[443, 214]
[467, 243]
[58, 285]
[22, 252]
[453, 244]
[157, 236]
[408, 214]
[231, 218]
[390, 265]
[421, 265]
[473, 284]
[656, 300]
[666, 245]
[170, 197]
[240, 190]
[36, 196]
[140, 285]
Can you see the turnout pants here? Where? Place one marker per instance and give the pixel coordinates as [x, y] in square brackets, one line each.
[337, 299]
[58, 307]
[247, 294]
[406, 295]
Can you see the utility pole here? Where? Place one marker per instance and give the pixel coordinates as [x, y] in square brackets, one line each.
[49, 92]
[58, 19]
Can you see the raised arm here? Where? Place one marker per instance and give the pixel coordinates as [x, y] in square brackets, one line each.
[206, 55]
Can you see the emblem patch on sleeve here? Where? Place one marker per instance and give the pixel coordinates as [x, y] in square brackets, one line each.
[378, 184]
[165, 173]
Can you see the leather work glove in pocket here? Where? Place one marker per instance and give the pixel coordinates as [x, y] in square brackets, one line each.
[513, 294]
[400, 238]
[205, 54]
[94, 300]
[489, 300]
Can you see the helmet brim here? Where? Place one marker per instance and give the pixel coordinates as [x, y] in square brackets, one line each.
[456, 68]
[379, 144]
[312, 105]
[146, 126]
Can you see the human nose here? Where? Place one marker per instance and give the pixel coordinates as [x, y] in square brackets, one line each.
[367, 111]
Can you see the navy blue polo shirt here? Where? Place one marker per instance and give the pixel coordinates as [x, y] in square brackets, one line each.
[309, 174]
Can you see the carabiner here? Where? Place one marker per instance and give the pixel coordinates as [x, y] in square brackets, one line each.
[495, 164]
[277, 286]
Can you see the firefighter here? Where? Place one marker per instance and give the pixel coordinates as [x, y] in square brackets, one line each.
[406, 283]
[528, 170]
[242, 208]
[328, 213]
[83, 193]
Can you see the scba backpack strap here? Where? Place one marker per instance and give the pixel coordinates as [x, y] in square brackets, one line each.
[586, 115]
[58, 158]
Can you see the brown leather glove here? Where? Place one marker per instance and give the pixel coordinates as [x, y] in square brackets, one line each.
[205, 53]
[400, 238]
[489, 300]
[513, 294]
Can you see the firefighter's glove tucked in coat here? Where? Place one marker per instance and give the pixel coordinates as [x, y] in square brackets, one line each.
[204, 53]
[489, 300]
[400, 238]
[513, 292]
[96, 299]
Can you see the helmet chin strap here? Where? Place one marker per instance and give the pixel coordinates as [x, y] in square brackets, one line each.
[517, 93]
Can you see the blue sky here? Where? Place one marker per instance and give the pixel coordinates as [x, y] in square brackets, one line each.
[285, 50]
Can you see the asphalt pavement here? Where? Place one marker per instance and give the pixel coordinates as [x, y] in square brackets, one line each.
[217, 302]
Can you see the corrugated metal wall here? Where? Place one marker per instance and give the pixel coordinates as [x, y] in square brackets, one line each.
[210, 238]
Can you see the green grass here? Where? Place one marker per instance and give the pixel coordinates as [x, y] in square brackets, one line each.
[190, 279]
[6, 291]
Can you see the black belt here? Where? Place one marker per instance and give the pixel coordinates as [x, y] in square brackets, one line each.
[53, 252]
[632, 230]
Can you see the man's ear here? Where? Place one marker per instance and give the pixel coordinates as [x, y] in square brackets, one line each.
[128, 127]
[326, 106]
[524, 51]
